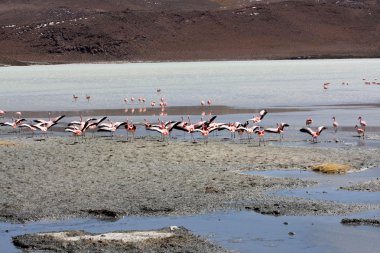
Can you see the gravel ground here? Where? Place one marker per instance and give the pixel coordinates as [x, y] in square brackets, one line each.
[108, 177]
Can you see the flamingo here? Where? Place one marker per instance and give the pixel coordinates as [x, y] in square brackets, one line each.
[314, 134]
[93, 125]
[164, 130]
[278, 130]
[88, 97]
[2, 113]
[131, 128]
[230, 127]
[75, 98]
[33, 128]
[248, 130]
[49, 123]
[110, 127]
[78, 130]
[18, 114]
[362, 122]
[209, 102]
[200, 124]
[189, 127]
[259, 117]
[360, 131]
[335, 124]
[203, 103]
[15, 123]
[79, 124]
[260, 132]
[309, 121]
[205, 130]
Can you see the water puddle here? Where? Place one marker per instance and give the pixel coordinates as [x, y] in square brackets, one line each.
[328, 187]
[243, 231]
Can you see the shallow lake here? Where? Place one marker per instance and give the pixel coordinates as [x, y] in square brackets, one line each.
[249, 84]
[245, 84]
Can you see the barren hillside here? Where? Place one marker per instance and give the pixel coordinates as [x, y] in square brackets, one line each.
[175, 30]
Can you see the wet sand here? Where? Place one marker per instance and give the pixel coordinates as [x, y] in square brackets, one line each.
[109, 177]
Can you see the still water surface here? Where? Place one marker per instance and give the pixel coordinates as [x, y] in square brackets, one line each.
[249, 84]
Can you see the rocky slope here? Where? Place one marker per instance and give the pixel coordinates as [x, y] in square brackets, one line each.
[172, 30]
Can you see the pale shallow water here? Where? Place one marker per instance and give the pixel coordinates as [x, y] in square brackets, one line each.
[250, 84]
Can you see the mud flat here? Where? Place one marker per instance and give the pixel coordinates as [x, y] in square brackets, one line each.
[360, 221]
[172, 239]
[163, 240]
[109, 177]
[370, 186]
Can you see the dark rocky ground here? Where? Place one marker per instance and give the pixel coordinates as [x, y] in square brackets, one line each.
[170, 30]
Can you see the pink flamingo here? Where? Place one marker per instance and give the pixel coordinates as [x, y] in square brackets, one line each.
[131, 128]
[15, 123]
[314, 134]
[209, 102]
[360, 131]
[202, 103]
[2, 113]
[248, 130]
[259, 117]
[278, 130]
[362, 122]
[110, 127]
[33, 128]
[335, 124]
[309, 121]
[163, 129]
[75, 98]
[260, 132]
[88, 97]
[18, 114]
[205, 130]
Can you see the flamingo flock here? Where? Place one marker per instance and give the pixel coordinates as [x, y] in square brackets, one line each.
[204, 127]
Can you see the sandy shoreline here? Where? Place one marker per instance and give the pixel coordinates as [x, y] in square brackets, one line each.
[107, 178]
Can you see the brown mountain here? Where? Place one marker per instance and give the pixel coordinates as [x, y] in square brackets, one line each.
[174, 30]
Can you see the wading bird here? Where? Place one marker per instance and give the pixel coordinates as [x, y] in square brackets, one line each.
[360, 131]
[314, 134]
[362, 122]
[131, 128]
[309, 121]
[335, 124]
[277, 130]
[261, 133]
[258, 118]
[248, 130]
